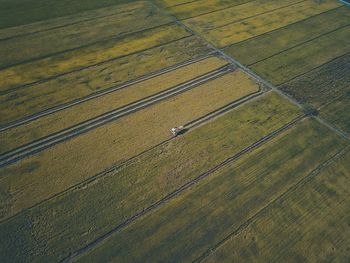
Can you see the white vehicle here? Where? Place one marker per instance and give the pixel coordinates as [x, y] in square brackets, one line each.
[175, 131]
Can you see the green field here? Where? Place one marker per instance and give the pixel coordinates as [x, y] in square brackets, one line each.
[221, 203]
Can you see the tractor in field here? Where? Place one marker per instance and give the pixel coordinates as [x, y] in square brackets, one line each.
[176, 130]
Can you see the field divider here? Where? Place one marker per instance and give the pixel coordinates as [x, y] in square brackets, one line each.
[53, 77]
[253, 218]
[58, 137]
[184, 187]
[102, 92]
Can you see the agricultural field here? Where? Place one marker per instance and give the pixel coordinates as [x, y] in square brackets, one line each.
[174, 131]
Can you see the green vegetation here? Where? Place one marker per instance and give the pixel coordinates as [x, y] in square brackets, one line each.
[124, 20]
[309, 223]
[19, 12]
[92, 209]
[193, 222]
[321, 85]
[301, 59]
[267, 45]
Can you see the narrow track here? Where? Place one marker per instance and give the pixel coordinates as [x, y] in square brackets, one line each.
[181, 189]
[55, 138]
[101, 93]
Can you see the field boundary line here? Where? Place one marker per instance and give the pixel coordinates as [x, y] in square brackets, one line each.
[294, 186]
[249, 17]
[72, 24]
[280, 28]
[103, 92]
[216, 113]
[83, 127]
[300, 44]
[189, 2]
[53, 77]
[181, 189]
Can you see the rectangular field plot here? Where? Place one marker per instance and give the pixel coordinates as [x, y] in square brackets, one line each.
[124, 20]
[309, 223]
[196, 220]
[79, 158]
[264, 46]
[322, 85]
[299, 60]
[96, 54]
[264, 23]
[55, 122]
[338, 112]
[27, 101]
[200, 7]
[137, 184]
[233, 14]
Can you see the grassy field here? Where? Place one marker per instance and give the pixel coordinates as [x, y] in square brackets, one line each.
[264, 23]
[309, 223]
[222, 202]
[200, 7]
[71, 116]
[323, 84]
[19, 12]
[136, 185]
[68, 163]
[264, 46]
[42, 44]
[337, 113]
[233, 14]
[301, 59]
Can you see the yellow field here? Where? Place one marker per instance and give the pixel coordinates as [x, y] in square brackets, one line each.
[68, 163]
[41, 44]
[258, 25]
[196, 8]
[169, 3]
[229, 15]
[77, 59]
[312, 220]
[33, 99]
[68, 20]
[55, 122]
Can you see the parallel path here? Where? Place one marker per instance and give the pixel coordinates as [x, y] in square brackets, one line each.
[184, 187]
[52, 139]
[101, 93]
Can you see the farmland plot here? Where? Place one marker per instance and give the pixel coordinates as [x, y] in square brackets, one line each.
[233, 14]
[55, 122]
[299, 60]
[309, 223]
[36, 98]
[264, 46]
[337, 113]
[19, 12]
[88, 56]
[42, 44]
[77, 159]
[258, 25]
[323, 84]
[137, 184]
[200, 7]
[193, 222]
